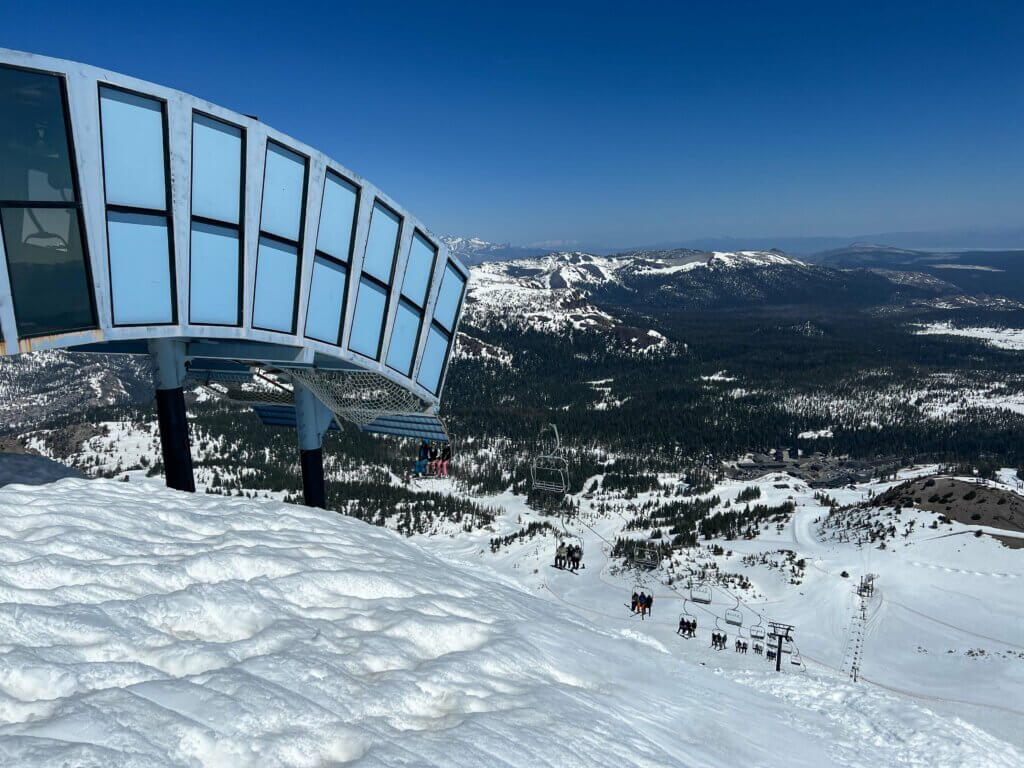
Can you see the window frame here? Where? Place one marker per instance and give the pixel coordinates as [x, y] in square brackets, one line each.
[387, 287]
[76, 204]
[167, 213]
[450, 335]
[346, 265]
[421, 310]
[239, 227]
[297, 245]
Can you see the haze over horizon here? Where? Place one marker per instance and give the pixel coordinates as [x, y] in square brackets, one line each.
[585, 124]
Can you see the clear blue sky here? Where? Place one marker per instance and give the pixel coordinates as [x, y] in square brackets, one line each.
[609, 123]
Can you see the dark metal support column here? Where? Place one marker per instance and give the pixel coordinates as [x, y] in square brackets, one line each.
[174, 443]
[169, 377]
[314, 492]
[312, 420]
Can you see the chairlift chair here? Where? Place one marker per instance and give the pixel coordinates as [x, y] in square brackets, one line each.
[701, 593]
[549, 470]
[757, 631]
[686, 614]
[646, 556]
[734, 615]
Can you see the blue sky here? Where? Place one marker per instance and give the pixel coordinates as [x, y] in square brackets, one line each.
[609, 124]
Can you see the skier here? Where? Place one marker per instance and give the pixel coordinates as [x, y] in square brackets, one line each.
[432, 459]
[642, 605]
[650, 602]
[682, 627]
[421, 459]
[632, 605]
[560, 556]
[446, 456]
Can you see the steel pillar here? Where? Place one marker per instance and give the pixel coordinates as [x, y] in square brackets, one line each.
[169, 378]
[312, 420]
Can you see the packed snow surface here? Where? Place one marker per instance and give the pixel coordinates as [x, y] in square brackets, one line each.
[144, 627]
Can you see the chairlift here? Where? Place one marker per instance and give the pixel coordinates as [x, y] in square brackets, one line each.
[757, 631]
[686, 614]
[734, 616]
[795, 659]
[422, 469]
[549, 470]
[701, 593]
[646, 556]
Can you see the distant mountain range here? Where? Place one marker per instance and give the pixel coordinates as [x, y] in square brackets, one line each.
[475, 250]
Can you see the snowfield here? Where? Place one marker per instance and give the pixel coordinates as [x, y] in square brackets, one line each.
[145, 627]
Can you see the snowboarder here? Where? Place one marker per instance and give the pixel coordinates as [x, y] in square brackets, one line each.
[642, 605]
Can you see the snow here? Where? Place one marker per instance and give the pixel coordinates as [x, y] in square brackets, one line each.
[145, 627]
[1004, 338]
[814, 434]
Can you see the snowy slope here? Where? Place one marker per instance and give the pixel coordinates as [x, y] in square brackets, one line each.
[143, 627]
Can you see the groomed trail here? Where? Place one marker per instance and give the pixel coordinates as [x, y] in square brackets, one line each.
[143, 627]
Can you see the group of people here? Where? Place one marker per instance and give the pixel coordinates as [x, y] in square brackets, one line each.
[718, 640]
[568, 556]
[432, 460]
[642, 604]
[741, 646]
[687, 627]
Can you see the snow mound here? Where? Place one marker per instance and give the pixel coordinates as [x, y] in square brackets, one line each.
[143, 627]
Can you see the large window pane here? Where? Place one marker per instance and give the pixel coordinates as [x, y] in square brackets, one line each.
[449, 297]
[434, 353]
[283, 183]
[140, 278]
[337, 217]
[274, 303]
[403, 338]
[216, 169]
[368, 320]
[47, 270]
[214, 275]
[133, 150]
[417, 271]
[381, 244]
[326, 295]
[35, 163]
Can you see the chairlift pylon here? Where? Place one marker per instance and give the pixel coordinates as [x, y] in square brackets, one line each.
[549, 469]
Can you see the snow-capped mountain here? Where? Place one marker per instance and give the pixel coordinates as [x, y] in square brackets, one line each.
[473, 250]
[577, 291]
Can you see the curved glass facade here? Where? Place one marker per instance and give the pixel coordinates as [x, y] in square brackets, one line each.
[130, 211]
